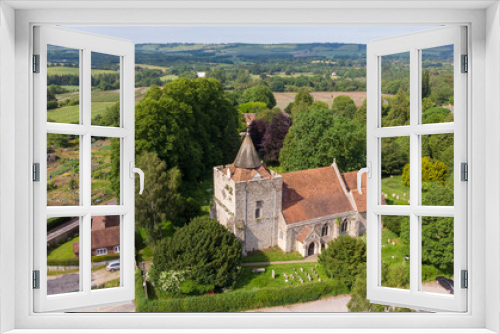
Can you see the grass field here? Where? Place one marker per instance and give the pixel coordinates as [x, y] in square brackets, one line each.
[63, 252]
[392, 254]
[251, 281]
[151, 67]
[271, 255]
[105, 96]
[71, 114]
[168, 77]
[64, 70]
[393, 185]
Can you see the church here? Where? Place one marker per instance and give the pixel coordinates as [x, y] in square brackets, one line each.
[297, 211]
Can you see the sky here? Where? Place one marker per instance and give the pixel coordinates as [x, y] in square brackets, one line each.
[251, 34]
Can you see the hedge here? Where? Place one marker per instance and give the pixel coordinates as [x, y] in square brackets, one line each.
[56, 221]
[239, 300]
[76, 261]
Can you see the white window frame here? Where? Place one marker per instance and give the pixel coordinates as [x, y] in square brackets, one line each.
[483, 313]
[116, 249]
[413, 44]
[86, 44]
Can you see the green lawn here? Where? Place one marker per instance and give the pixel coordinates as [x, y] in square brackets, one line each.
[251, 281]
[398, 250]
[71, 114]
[393, 185]
[271, 255]
[63, 252]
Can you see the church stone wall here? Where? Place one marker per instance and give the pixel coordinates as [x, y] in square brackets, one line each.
[265, 195]
[223, 205]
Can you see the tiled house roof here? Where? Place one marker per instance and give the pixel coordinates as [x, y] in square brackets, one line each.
[313, 193]
[103, 238]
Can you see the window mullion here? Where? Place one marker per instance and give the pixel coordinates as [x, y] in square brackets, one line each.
[414, 169]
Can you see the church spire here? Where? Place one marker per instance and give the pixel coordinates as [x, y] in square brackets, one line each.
[247, 155]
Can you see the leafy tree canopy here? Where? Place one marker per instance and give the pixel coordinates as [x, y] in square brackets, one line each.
[204, 250]
[190, 124]
[344, 106]
[317, 136]
[259, 93]
[342, 259]
[431, 171]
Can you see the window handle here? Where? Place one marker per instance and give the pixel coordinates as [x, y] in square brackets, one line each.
[368, 171]
[133, 170]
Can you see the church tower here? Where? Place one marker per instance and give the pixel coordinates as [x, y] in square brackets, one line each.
[247, 199]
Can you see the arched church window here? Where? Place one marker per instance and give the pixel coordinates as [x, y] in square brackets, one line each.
[324, 230]
[343, 226]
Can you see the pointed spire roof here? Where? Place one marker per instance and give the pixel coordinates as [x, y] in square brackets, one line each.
[247, 155]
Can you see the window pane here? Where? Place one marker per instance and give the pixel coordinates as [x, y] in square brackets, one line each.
[437, 170]
[105, 167]
[63, 85]
[105, 89]
[105, 252]
[437, 255]
[63, 170]
[63, 262]
[437, 85]
[395, 89]
[395, 170]
[395, 249]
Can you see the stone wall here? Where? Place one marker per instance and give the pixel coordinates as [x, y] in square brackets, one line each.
[263, 195]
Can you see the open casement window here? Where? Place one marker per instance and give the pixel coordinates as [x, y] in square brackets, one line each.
[92, 220]
[430, 218]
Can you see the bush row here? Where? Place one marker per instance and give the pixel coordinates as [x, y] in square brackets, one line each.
[240, 300]
[76, 261]
[56, 221]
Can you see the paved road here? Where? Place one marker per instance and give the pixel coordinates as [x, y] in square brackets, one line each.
[73, 223]
[309, 259]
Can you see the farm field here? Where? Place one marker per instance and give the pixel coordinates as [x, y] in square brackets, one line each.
[70, 114]
[66, 70]
[283, 99]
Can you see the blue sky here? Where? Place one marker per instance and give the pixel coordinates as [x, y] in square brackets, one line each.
[250, 34]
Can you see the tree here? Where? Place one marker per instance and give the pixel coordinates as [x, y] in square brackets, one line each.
[437, 115]
[303, 96]
[190, 124]
[267, 115]
[110, 117]
[395, 155]
[204, 250]
[399, 110]
[431, 171]
[437, 243]
[317, 136]
[160, 201]
[358, 301]
[426, 84]
[275, 134]
[260, 93]
[342, 259]
[257, 132]
[344, 106]
[251, 107]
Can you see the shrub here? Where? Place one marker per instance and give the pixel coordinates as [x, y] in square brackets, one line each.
[241, 300]
[342, 259]
[56, 221]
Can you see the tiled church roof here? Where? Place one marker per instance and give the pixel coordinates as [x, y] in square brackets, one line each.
[313, 193]
[245, 175]
[304, 233]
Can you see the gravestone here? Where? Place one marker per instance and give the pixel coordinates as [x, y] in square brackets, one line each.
[258, 270]
[273, 274]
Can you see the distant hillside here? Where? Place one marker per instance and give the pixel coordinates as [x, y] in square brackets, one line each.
[239, 49]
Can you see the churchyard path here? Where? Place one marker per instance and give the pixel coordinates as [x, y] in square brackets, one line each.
[309, 259]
